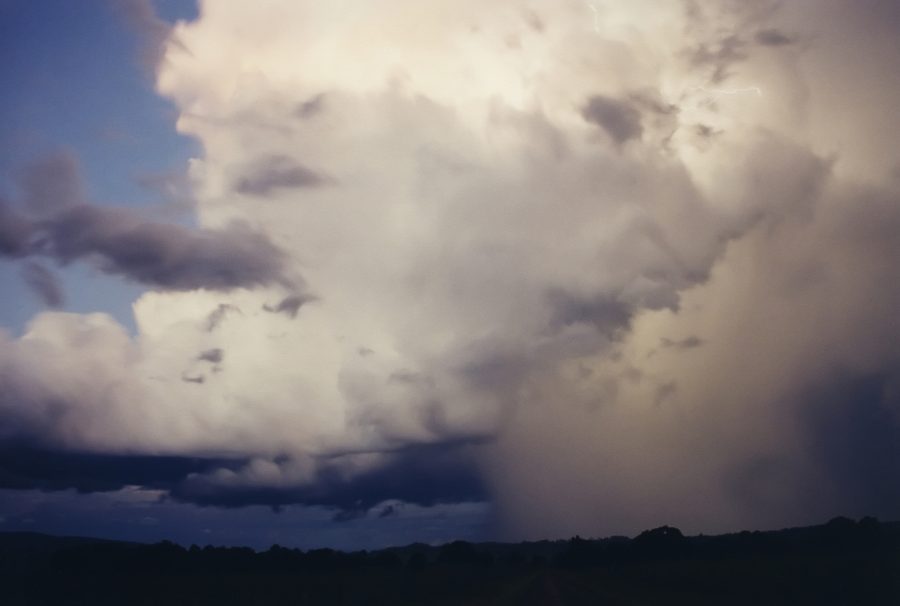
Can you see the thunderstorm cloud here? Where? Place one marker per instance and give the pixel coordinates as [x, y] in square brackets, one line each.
[457, 251]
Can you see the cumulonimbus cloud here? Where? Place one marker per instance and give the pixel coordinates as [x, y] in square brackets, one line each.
[542, 251]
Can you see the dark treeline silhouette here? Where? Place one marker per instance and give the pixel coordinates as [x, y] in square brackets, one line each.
[841, 562]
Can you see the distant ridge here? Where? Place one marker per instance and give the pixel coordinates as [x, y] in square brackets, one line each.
[841, 562]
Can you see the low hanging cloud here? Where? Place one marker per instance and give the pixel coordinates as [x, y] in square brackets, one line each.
[605, 274]
[153, 33]
[277, 172]
[162, 255]
[620, 119]
[213, 356]
[773, 37]
[54, 221]
[43, 283]
[15, 231]
[51, 183]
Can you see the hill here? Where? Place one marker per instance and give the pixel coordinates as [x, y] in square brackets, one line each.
[841, 562]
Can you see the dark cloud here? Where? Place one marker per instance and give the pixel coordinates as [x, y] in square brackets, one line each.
[855, 438]
[290, 305]
[424, 475]
[535, 22]
[653, 102]
[607, 313]
[772, 37]
[278, 172]
[664, 392]
[311, 107]
[140, 16]
[704, 131]
[719, 56]
[162, 255]
[492, 370]
[15, 232]
[214, 356]
[410, 378]
[31, 467]
[216, 316]
[51, 183]
[387, 511]
[620, 119]
[63, 227]
[348, 515]
[44, 283]
[851, 442]
[686, 343]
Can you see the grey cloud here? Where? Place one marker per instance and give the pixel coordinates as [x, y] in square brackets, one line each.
[704, 131]
[62, 226]
[44, 283]
[493, 370]
[32, 466]
[805, 290]
[686, 343]
[158, 254]
[154, 32]
[15, 232]
[278, 172]
[311, 107]
[664, 392]
[605, 312]
[216, 316]
[407, 376]
[348, 515]
[535, 22]
[290, 305]
[215, 356]
[652, 101]
[855, 439]
[758, 258]
[772, 37]
[620, 119]
[423, 475]
[387, 511]
[720, 56]
[51, 183]
[852, 442]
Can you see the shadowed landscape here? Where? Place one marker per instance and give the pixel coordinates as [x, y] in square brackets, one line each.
[841, 562]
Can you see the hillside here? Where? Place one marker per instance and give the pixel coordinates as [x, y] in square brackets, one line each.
[841, 562]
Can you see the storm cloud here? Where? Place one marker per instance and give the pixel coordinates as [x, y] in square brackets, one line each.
[57, 223]
[162, 255]
[277, 172]
[620, 119]
[423, 476]
[606, 275]
[50, 183]
[44, 283]
[15, 231]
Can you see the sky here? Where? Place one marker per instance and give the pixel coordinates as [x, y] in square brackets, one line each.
[357, 274]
